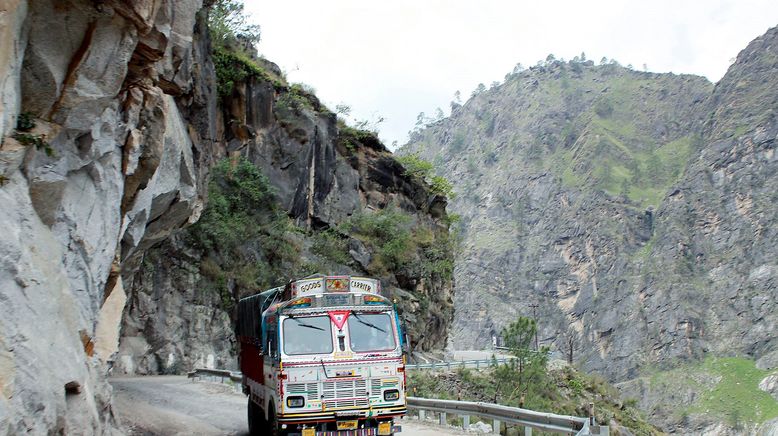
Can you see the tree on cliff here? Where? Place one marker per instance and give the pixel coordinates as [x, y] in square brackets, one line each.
[229, 24]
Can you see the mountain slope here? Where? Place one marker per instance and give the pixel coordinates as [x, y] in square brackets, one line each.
[634, 208]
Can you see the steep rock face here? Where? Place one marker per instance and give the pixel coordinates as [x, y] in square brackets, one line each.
[558, 190]
[117, 167]
[633, 208]
[323, 175]
[713, 260]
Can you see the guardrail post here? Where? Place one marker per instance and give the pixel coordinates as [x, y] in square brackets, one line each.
[442, 418]
[591, 413]
[527, 431]
[465, 422]
[496, 426]
[422, 414]
[477, 364]
[433, 365]
[449, 365]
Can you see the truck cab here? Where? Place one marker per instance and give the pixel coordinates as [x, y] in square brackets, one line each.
[322, 355]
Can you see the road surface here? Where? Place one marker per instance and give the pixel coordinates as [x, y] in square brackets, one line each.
[174, 405]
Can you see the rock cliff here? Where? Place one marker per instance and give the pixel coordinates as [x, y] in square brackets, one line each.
[105, 107]
[113, 115]
[635, 209]
[334, 198]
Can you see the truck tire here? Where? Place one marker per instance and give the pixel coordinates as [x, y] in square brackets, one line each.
[273, 427]
[257, 423]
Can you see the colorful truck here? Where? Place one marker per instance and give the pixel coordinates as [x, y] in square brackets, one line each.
[322, 356]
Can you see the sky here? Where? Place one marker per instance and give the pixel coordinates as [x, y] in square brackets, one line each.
[393, 59]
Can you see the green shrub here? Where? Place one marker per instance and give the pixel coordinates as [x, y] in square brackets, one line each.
[329, 244]
[25, 122]
[39, 141]
[350, 137]
[398, 244]
[422, 170]
[243, 232]
[233, 67]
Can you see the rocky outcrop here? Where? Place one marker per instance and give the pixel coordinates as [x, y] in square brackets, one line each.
[121, 94]
[770, 385]
[634, 209]
[322, 174]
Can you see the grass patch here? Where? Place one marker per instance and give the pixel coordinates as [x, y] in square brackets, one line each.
[605, 161]
[726, 388]
[737, 396]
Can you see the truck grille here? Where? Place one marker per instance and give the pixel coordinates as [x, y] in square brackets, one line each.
[345, 393]
[377, 384]
[357, 402]
[309, 390]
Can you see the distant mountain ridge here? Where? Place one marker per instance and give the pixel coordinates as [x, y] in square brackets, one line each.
[636, 209]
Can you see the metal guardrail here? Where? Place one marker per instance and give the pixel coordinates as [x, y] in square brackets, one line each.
[477, 364]
[217, 375]
[529, 419]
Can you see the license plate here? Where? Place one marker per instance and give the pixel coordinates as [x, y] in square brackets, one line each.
[309, 432]
[347, 425]
[384, 428]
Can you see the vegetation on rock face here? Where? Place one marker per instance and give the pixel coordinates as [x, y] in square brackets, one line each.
[229, 25]
[247, 238]
[421, 169]
[234, 54]
[234, 67]
[396, 244]
[604, 128]
[350, 137]
[24, 124]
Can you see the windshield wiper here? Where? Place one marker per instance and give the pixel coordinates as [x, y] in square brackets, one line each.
[361, 321]
[302, 324]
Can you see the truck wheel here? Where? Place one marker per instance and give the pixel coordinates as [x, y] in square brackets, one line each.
[256, 419]
[273, 427]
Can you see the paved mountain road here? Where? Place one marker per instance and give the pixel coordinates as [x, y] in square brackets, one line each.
[174, 405]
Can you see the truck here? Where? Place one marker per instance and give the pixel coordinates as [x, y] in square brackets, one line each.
[322, 356]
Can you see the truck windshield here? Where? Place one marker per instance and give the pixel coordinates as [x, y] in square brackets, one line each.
[371, 332]
[309, 335]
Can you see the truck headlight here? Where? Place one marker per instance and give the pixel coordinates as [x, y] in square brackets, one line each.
[293, 402]
[392, 395]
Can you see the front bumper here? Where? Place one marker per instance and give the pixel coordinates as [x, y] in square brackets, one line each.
[358, 432]
[331, 416]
